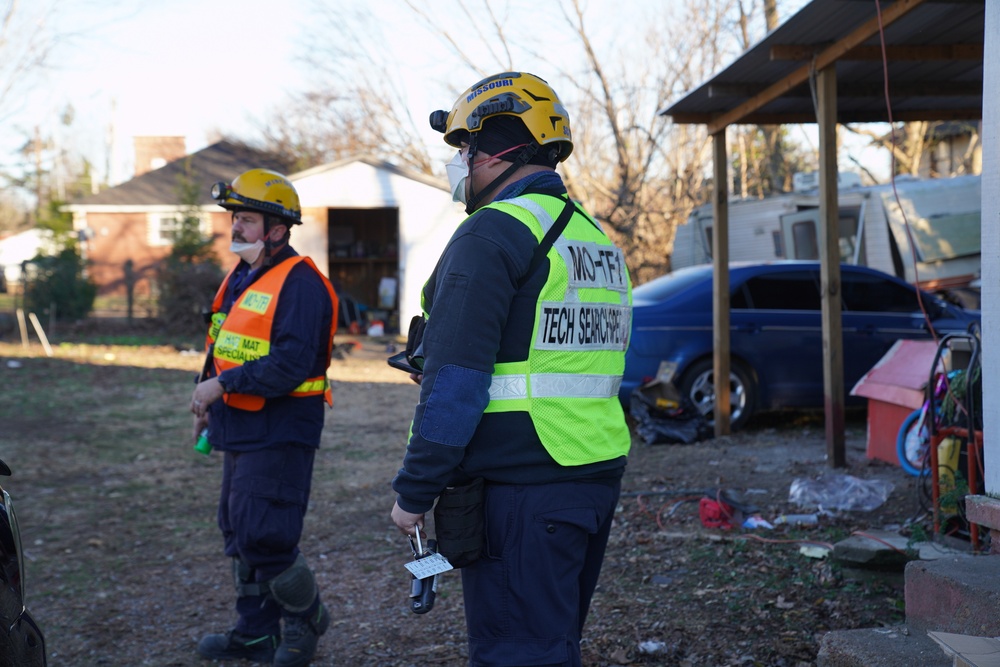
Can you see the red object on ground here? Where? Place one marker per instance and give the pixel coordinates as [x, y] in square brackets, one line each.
[715, 514]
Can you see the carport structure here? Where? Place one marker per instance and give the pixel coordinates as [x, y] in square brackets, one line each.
[835, 61]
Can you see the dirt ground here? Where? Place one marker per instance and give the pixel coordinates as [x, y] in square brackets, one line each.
[125, 564]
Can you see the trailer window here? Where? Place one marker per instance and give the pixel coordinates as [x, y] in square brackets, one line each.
[804, 240]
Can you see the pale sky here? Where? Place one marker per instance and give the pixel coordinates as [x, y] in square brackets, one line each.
[198, 67]
[183, 67]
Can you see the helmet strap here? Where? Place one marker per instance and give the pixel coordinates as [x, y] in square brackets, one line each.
[522, 159]
[269, 245]
[471, 156]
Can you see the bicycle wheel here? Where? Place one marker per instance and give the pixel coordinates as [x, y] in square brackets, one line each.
[912, 444]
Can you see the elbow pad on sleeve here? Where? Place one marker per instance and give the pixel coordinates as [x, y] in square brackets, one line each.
[455, 405]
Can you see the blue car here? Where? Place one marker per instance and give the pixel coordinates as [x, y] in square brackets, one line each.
[776, 334]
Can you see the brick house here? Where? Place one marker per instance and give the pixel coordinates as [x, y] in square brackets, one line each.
[374, 228]
[134, 220]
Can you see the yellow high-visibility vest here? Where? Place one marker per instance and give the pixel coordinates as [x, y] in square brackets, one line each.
[583, 319]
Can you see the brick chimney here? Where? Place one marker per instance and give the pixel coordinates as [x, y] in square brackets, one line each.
[154, 152]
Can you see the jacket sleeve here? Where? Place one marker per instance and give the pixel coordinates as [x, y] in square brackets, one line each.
[470, 297]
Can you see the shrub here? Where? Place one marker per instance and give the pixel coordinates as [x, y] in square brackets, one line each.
[189, 277]
[58, 282]
[186, 291]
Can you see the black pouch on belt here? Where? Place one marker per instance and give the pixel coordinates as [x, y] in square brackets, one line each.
[415, 338]
[459, 523]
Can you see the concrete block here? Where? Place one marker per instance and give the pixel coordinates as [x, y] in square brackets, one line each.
[969, 651]
[876, 548]
[985, 511]
[958, 594]
[894, 646]
[884, 549]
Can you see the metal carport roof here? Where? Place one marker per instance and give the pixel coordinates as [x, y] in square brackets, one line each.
[934, 52]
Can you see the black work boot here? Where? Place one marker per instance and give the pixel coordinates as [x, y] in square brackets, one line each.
[235, 645]
[298, 643]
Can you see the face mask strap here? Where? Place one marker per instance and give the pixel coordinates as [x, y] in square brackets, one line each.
[521, 160]
[471, 157]
[270, 245]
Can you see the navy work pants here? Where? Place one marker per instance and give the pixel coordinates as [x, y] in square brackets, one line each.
[262, 505]
[527, 598]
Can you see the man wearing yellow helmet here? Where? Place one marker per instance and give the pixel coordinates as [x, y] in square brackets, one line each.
[528, 315]
[269, 344]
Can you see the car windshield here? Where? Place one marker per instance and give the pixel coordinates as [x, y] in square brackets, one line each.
[672, 283]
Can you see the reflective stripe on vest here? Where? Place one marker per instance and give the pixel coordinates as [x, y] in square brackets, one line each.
[244, 334]
[569, 383]
[553, 385]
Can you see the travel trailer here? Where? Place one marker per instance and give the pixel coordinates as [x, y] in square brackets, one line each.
[941, 216]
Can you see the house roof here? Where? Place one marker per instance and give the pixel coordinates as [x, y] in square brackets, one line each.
[375, 163]
[934, 51]
[222, 161]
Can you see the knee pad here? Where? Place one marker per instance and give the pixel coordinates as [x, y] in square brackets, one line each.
[295, 588]
[241, 579]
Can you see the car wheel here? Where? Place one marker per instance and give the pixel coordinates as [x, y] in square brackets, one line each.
[698, 385]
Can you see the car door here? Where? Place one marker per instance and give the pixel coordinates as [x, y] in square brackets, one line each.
[775, 325]
[878, 311]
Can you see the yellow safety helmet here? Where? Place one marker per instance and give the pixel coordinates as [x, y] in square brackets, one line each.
[519, 94]
[260, 190]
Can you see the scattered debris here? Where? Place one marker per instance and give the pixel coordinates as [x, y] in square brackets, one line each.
[833, 491]
[662, 416]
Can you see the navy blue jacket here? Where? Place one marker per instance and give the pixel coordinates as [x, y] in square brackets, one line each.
[479, 315]
[300, 341]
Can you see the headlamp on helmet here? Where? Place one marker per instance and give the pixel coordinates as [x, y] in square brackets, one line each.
[439, 120]
[260, 190]
[519, 94]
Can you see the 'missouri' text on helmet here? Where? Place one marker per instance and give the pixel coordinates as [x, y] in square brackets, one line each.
[260, 190]
[517, 94]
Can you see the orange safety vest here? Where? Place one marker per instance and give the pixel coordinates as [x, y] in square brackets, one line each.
[245, 333]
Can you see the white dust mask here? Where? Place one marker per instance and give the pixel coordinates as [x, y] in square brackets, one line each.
[248, 252]
[458, 174]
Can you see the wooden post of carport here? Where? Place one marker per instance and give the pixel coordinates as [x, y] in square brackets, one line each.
[720, 290]
[829, 248]
[821, 57]
[829, 241]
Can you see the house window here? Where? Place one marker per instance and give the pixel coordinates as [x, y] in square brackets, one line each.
[163, 226]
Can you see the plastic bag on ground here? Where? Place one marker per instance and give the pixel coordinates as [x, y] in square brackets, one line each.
[840, 492]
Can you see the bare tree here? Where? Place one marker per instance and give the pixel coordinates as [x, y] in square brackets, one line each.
[355, 104]
[25, 47]
[27, 41]
[636, 171]
[778, 175]
[764, 164]
[909, 144]
[36, 36]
